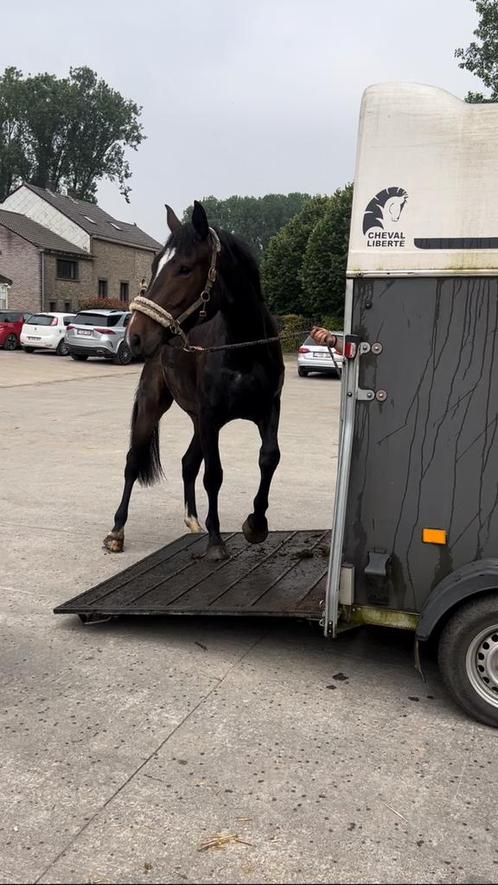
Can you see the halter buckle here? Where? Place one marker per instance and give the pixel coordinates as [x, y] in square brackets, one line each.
[205, 297]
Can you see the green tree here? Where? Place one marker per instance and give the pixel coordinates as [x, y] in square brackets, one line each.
[282, 262]
[70, 132]
[14, 164]
[481, 57]
[323, 271]
[255, 219]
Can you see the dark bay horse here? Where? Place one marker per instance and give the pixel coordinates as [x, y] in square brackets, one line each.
[205, 289]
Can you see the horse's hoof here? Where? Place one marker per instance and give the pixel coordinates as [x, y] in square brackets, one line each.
[193, 523]
[217, 553]
[255, 534]
[114, 542]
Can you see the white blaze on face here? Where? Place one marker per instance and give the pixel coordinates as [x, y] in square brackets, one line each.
[168, 255]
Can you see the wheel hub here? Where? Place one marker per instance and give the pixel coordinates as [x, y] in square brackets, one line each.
[482, 664]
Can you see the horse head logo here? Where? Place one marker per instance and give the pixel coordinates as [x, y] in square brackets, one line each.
[386, 206]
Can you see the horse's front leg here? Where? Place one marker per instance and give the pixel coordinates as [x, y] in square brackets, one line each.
[255, 527]
[153, 399]
[213, 478]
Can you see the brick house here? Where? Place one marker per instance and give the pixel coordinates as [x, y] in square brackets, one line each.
[60, 251]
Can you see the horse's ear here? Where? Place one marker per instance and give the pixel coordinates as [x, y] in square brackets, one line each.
[174, 223]
[199, 220]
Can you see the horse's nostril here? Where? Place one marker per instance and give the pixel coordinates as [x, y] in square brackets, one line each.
[135, 342]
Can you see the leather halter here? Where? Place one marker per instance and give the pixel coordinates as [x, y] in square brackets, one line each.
[162, 316]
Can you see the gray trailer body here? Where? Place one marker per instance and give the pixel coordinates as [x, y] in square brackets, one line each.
[426, 456]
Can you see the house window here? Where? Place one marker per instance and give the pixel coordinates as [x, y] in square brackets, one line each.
[52, 306]
[124, 291]
[102, 288]
[67, 307]
[67, 270]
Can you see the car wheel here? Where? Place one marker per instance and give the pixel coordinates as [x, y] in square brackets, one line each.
[29, 349]
[62, 348]
[302, 372]
[79, 357]
[468, 658]
[10, 342]
[123, 356]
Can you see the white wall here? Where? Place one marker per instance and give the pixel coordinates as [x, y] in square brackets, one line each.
[443, 154]
[26, 202]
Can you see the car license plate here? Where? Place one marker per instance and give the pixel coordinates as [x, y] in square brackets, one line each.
[83, 331]
[34, 338]
[321, 356]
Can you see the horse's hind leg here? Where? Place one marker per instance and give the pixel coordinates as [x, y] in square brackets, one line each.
[191, 463]
[153, 399]
[255, 527]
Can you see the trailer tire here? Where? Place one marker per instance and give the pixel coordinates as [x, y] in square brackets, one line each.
[468, 658]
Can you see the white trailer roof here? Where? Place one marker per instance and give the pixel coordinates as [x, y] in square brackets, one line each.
[426, 184]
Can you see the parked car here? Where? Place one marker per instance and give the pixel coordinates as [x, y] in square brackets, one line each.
[313, 357]
[46, 331]
[99, 333]
[11, 323]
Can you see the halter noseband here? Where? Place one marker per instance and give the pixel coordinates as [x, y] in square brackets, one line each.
[164, 317]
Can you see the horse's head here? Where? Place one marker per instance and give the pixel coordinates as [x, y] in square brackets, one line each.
[181, 279]
[394, 207]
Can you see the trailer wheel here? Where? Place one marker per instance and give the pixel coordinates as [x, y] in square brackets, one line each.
[468, 658]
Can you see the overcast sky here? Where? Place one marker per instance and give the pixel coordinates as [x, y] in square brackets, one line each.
[240, 96]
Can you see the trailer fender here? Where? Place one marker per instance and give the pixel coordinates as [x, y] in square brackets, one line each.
[476, 577]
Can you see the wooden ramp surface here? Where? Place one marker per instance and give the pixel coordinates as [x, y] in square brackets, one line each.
[283, 577]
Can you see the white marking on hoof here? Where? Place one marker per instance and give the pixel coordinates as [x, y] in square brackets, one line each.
[192, 523]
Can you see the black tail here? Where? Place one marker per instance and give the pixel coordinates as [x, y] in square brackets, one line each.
[147, 454]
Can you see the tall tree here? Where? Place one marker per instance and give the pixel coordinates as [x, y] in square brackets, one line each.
[255, 219]
[281, 266]
[14, 164]
[481, 56]
[70, 132]
[323, 272]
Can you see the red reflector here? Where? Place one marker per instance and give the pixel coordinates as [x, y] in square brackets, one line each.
[350, 350]
[304, 350]
[105, 331]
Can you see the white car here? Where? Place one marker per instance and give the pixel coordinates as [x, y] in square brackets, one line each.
[46, 331]
[312, 357]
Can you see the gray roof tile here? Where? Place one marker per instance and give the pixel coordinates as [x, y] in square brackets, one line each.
[95, 221]
[37, 234]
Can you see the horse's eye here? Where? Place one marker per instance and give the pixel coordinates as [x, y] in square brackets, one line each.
[183, 270]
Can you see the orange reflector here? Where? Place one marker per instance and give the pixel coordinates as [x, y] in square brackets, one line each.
[434, 536]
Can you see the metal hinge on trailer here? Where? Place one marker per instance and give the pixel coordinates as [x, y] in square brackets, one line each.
[364, 393]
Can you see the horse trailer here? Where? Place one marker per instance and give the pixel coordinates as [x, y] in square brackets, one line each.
[414, 542]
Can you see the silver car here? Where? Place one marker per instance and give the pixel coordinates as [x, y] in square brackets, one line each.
[313, 357]
[99, 333]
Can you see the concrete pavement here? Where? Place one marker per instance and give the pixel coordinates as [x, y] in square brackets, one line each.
[126, 746]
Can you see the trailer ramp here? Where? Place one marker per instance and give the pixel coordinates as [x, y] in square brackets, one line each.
[283, 577]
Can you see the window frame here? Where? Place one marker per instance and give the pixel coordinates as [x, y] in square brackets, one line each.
[127, 284]
[74, 263]
[106, 294]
